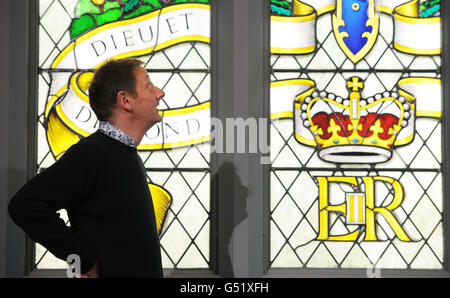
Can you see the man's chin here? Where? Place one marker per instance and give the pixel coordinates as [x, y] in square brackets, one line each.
[155, 121]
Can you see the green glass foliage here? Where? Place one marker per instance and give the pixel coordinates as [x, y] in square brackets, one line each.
[108, 16]
[81, 25]
[280, 7]
[186, 1]
[93, 13]
[142, 9]
[430, 8]
[130, 6]
[154, 3]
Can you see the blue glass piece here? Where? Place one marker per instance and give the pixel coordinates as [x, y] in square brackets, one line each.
[355, 16]
[355, 140]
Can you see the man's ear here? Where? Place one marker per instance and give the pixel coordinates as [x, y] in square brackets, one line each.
[123, 100]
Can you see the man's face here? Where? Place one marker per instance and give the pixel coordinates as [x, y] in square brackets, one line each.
[147, 98]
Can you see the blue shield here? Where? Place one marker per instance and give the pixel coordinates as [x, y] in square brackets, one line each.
[355, 26]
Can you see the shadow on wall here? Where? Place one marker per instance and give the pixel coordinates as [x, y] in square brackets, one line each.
[233, 211]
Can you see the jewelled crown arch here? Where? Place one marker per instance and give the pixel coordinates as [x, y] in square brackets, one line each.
[171, 38]
[356, 161]
[355, 130]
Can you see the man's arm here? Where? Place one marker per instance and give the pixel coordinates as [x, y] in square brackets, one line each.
[64, 185]
[93, 273]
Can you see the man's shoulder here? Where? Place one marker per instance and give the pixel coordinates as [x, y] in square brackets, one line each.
[90, 146]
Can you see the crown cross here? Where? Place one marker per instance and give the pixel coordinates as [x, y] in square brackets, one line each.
[355, 84]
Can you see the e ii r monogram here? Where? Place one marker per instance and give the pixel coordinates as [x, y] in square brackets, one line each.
[359, 208]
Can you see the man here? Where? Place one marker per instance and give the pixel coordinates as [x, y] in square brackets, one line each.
[101, 182]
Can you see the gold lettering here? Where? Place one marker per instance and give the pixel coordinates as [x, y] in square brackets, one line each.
[370, 204]
[351, 208]
[370, 209]
[325, 208]
[385, 211]
[360, 208]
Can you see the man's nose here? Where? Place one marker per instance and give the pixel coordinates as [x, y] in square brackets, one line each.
[161, 93]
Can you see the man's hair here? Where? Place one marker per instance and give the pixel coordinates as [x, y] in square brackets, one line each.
[112, 77]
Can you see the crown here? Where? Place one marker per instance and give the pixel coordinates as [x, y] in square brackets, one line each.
[356, 130]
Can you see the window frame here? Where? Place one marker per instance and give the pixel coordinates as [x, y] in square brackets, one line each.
[360, 273]
[31, 169]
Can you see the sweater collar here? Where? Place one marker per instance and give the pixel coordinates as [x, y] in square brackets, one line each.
[116, 133]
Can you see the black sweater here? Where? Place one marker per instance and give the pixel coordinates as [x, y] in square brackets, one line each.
[102, 185]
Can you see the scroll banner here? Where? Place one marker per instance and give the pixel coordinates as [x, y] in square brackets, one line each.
[284, 104]
[296, 34]
[68, 112]
[161, 200]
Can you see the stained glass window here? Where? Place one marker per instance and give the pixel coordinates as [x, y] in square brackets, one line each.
[356, 134]
[171, 37]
